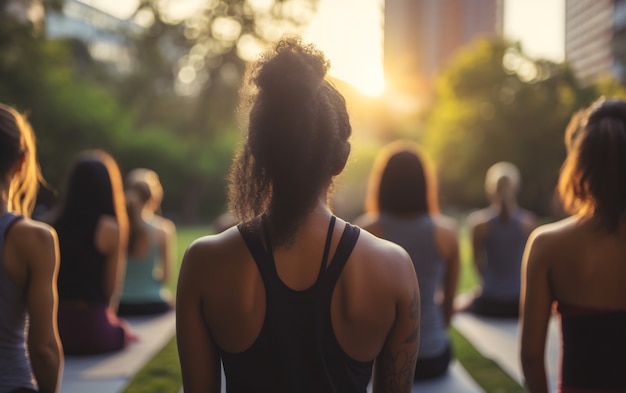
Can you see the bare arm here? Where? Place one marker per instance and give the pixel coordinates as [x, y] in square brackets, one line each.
[110, 241]
[450, 249]
[199, 358]
[478, 234]
[168, 249]
[536, 304]
[394, 367]
[44, 345]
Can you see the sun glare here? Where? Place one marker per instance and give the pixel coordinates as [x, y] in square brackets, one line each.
[350, 34]
[367, 79]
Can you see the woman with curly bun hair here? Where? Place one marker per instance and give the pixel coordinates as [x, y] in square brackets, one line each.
[579, 264]
[294, 299]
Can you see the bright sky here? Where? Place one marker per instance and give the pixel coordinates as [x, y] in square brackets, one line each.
[350, 33]
[539, 25]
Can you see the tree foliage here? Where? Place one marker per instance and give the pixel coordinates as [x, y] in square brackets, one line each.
[493, 103]
[188, 71]
[143, 119]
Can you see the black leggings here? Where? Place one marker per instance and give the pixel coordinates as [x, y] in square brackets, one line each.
[428, 368]
[23, 390]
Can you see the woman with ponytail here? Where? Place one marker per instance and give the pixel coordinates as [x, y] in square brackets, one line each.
[499, 233]
[151, 243]
[31, 358]
[295, 299]
[579, 264]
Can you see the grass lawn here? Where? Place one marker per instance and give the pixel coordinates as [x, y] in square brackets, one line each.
[162, 373]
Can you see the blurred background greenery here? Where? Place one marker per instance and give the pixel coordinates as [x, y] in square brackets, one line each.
[486, 107]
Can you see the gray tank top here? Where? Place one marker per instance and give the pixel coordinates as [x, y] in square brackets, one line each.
[15, 371]
[504, 250]
[417, 237]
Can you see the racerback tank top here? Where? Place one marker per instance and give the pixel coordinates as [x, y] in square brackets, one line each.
[296, 350]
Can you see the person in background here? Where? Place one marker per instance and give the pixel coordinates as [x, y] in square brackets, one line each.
[151, 242]
[579, 263]
[499, 233]
[92, 225]
[295, 299]
[31, 357]
[401, 206]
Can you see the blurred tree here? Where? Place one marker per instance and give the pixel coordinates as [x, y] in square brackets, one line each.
[492, 104]
[188, 71]
[60, 87]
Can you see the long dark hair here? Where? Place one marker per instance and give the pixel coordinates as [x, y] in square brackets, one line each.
[93, 189]
[402, 182]
[593, 176]
[297, 139]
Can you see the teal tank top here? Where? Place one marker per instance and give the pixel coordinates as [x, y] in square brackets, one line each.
[140, 285]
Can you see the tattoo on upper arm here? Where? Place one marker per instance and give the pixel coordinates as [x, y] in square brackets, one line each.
[398, 367]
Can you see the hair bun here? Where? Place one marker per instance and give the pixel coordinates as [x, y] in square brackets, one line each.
[293, 74]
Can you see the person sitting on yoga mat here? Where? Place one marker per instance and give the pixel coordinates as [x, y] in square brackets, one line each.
[499, 233]
[295, 299]
[93, 232]
[579, 263]
[151, 243]
[401, 206]
[31, 358]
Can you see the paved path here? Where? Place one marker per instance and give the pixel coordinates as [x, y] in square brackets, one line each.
[498, 339]
[110, 373]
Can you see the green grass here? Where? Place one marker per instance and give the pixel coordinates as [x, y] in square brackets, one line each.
[483, 370]
[162, 373]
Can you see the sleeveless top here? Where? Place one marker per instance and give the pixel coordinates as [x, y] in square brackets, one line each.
[139, 283]
[417, 237]
[81, 272]
[593, 349]
[504, 250]
[15, 370]
[296, 350]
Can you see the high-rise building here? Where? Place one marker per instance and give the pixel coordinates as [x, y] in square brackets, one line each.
[421, 36]
[106, 36]
[595, 38]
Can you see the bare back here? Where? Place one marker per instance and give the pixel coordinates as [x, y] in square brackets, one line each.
[374, 309]
[587, 265]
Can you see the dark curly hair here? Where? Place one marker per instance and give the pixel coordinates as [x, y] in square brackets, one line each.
[297, 139]
[593, 176]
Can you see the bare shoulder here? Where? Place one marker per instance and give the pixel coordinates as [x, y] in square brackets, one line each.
[529, 220]
[36, 229]
[108, 224]
[34, 241]
[165, 224]
[209, 252]
[550, 238]
[478, 217]
[446, 225]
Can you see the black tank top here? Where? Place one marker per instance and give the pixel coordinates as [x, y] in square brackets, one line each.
[296, 350]
[593, 349]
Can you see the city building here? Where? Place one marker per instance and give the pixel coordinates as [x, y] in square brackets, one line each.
[106, 36]
[421, 36]
[595, 38]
